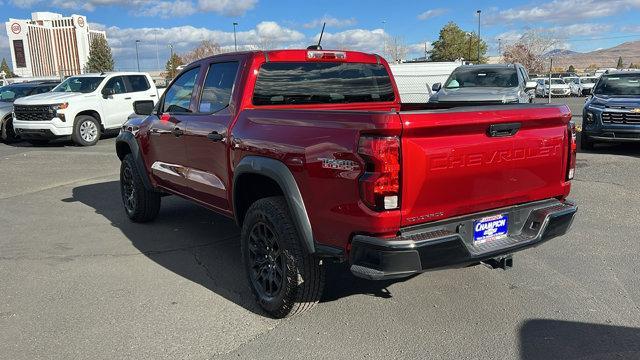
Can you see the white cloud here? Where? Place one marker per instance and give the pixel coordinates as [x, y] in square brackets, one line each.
[579, 29]
[356, 39]
[331, 21]
[562, 10]
[161, 8]
[184, 38]
[631, 29]
[227, 7]
[432, 13]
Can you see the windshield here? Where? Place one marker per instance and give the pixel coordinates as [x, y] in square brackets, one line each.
[557, 82]
[81, 84]
[570, 80]
[588, 80]
[619, 84]
[10, 93]
[478, 77]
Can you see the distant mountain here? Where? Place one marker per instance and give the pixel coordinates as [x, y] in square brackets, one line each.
[604, 58]
[560, 52]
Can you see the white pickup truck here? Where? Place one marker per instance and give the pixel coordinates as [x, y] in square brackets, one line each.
[82, 107]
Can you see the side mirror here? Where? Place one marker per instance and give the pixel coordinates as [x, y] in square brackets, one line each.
[530, 85]
[436, 87]
[106, 92]
[143, 107]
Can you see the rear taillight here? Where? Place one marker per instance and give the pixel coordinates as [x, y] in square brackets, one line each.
[380, 183]
[326, 55]
[573, 148]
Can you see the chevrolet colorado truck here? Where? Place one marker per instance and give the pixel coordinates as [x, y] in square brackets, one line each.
[315, 157]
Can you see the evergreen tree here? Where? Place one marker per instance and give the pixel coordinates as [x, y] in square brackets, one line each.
[620, 63]
[5, 67]
[174, 61]
[100, 58]
[454, 43]
[571, 69]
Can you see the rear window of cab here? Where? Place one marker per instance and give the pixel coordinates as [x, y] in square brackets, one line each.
[301, 83]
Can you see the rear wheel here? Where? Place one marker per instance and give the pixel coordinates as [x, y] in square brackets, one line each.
[284, 278]
[140, 204]
[86, 131]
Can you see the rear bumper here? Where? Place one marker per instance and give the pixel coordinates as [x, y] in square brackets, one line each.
[449, 243]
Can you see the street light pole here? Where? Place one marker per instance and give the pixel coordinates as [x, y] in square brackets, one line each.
[235, 41]
[157, 51]
[478, 12]
[137, 57]
[172, 64]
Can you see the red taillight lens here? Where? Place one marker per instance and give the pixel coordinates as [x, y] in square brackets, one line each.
[380, 183]
[326, 55]
[573, 148]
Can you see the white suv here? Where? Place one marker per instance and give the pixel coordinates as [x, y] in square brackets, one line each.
[82, 107]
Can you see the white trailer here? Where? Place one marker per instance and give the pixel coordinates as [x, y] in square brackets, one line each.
[414, 80]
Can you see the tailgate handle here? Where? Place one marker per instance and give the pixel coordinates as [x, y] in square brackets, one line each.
[501, 130]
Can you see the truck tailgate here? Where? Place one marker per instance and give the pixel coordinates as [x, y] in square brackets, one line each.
[452, 165]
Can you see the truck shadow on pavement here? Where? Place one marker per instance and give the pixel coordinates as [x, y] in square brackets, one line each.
[203, 247]
[542, 339]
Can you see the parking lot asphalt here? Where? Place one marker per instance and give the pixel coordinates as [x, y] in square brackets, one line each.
[78, 280]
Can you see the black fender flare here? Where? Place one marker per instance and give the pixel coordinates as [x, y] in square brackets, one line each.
[127, 139]
[280, 173]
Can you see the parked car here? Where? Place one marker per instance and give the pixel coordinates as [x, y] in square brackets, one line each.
[8, 94]
[82, 107]
[485, 84]
[558, 88]
[572, 81]
[315, 157]
[584, 86]
[612, 114]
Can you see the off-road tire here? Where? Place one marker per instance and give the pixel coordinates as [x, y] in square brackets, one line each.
[81, 126]
[303, 277]
[140, 204]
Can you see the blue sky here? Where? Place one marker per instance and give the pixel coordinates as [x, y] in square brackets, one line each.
[580, 25]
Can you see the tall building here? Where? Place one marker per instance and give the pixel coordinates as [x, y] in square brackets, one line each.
[50, 44]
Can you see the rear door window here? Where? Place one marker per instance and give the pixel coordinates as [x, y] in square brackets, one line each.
[298, 83]
[138, 83]
[218, 85]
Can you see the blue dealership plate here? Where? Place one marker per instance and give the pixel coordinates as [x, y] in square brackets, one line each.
[490, 228]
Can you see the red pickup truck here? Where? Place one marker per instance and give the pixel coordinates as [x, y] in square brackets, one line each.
[316, 158]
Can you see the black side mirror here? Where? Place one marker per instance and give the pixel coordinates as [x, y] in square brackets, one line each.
[143, 107]
[436, 87]
[106, 92]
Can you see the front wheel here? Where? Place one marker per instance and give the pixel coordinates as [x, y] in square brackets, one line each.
[284, 278]
[7, 132]
[140, 204]
[86, 131]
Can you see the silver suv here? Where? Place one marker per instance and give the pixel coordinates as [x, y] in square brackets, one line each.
[485, 84]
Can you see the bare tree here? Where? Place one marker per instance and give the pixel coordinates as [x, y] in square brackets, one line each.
[395, 49]
[530, 49]
[204, 49]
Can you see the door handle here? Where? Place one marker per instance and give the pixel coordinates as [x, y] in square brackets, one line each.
[214, 136]
[177, 132]
[502, 130]
[127, 98]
